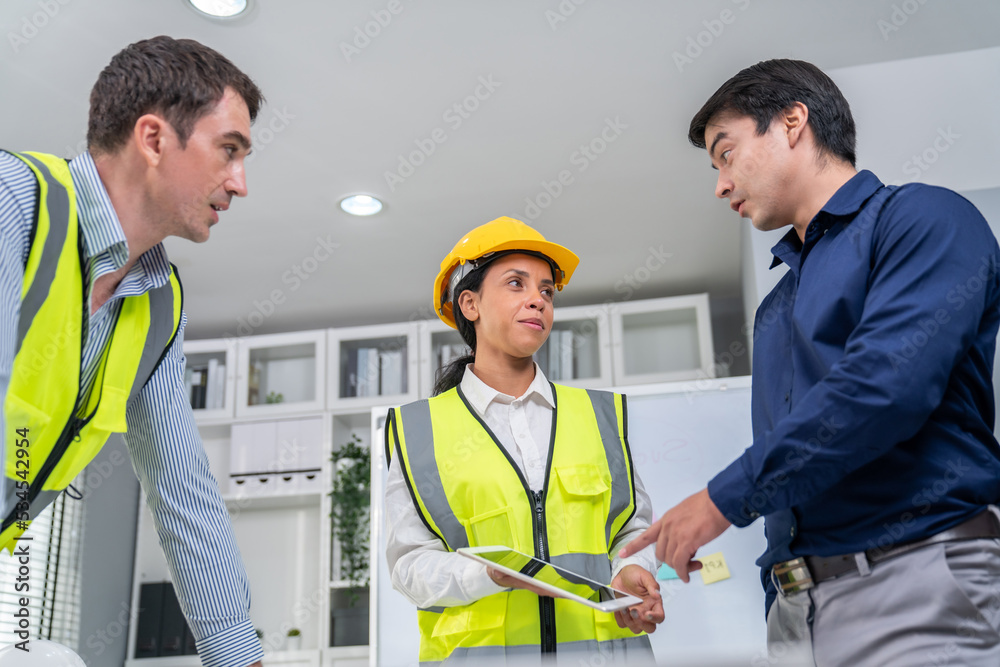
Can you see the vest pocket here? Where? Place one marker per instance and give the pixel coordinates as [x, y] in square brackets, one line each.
[586, 498]
[493, 528]
[477, 618]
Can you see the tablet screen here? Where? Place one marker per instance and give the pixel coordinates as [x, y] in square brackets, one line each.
[541, 571]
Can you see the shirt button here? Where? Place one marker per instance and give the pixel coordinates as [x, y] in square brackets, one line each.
[792, 531]
[787, 396]
[754, 515]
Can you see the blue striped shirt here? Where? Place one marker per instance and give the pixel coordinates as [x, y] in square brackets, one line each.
[166, 450]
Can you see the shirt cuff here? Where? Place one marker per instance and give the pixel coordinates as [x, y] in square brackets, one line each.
[478, 583]
[641, 559]
[237, 646]
[729, 491]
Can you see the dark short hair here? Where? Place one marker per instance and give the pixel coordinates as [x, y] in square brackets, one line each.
[764, 90]
[180, 79]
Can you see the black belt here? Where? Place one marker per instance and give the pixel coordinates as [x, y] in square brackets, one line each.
[801, 574]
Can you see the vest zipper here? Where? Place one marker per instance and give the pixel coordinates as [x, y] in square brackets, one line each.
[546, 605]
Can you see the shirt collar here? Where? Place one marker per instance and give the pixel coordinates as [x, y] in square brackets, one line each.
[845, 203]
[480, 395]
[98, 221]
[102, 230]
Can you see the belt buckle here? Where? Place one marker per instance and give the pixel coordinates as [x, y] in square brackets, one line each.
[792, 576]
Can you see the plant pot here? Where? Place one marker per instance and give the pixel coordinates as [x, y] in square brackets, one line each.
[293, 643]
[349, 624]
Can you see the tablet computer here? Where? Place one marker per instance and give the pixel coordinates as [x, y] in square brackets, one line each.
[552, 578]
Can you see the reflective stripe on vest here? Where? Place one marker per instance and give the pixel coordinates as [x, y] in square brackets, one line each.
[469, 493]
[43, 399]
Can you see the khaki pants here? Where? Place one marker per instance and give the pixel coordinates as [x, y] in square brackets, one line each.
[937, 605]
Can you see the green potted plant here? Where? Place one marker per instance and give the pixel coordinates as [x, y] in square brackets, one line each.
[351, 496]
[294, 640]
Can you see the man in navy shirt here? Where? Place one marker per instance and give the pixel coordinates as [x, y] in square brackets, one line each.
[873, 459]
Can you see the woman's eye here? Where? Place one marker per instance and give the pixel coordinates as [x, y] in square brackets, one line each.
[725, 156]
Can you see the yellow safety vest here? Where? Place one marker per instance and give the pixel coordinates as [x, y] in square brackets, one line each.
[469, 493]
[53, 431]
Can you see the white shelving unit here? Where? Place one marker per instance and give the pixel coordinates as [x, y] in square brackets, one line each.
[436, 339]
[372, 365]
[290, 366]
[217, 360]
[661, 340]
[283, 525]
[578, 350]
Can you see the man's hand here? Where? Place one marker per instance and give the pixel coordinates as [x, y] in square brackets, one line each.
[638, 581]
[508, 581]
[679, 533]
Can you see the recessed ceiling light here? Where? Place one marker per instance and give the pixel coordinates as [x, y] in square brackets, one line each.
[361, 205]
[221, 9]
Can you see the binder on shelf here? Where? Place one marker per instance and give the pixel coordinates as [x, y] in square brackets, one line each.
[162, 629]
[362, 372]
[349, 376]
[391, 373]
[190, 648]
[566, 356]
[172, 623]
[253, 383]
[554, 356]
[220, 387]
[199, 384]
[210, 384]
[147, 637]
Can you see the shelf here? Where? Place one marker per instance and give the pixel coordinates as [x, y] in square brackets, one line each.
[244, 503]
[210, 375]
[578, 350]
[286, 369]
[661, 340]
[372, 365]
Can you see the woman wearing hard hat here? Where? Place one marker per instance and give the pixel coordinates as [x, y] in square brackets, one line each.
[500, 456]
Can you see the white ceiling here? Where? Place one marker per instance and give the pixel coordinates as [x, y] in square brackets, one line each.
[333, 127]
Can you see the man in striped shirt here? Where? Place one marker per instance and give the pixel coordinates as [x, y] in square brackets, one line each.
[168, 133]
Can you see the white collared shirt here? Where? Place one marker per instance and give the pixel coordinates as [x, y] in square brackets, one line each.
[428, 575]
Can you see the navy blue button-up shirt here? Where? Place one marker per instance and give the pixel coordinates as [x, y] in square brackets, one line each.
[872, 393]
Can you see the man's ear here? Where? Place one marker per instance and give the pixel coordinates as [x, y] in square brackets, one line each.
[794, 121]
[468, 301]
[150, 135]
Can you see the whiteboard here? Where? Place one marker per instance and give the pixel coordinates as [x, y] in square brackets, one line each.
[681, 434]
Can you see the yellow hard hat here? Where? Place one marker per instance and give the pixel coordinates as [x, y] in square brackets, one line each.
[487, 242]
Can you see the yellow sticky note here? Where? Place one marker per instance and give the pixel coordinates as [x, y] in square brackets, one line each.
[713, 568]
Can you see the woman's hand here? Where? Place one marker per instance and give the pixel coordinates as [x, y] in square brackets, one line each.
[508, 581]
[638, 581]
